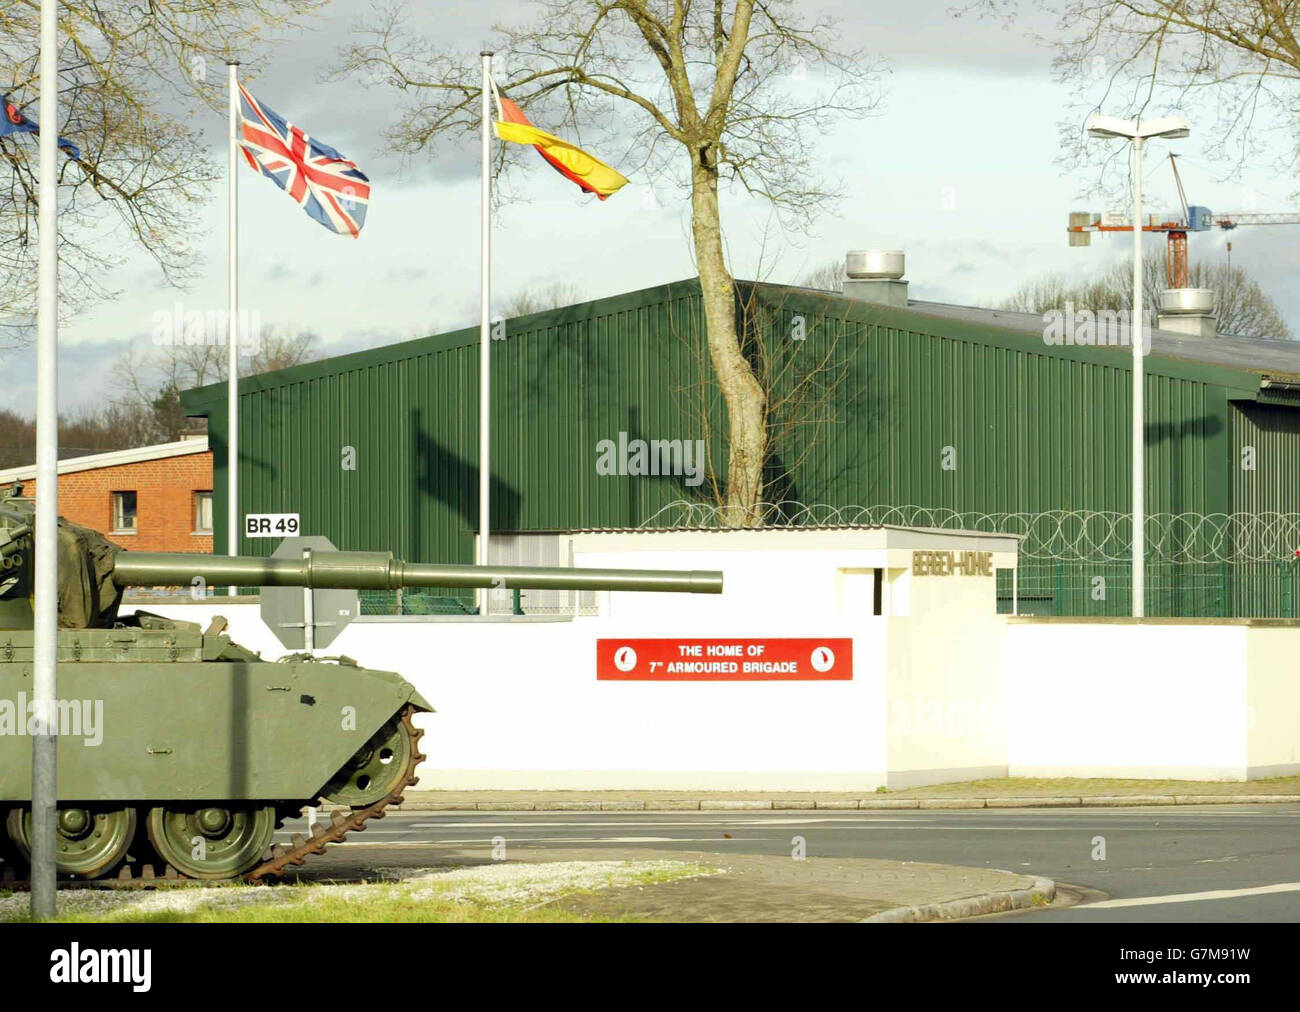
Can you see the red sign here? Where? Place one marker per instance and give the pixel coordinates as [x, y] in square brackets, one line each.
[707, 660]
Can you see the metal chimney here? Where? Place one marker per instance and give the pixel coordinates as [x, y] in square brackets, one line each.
[876, 275]
[1188, 311]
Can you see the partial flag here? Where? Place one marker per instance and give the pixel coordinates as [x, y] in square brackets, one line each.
[14, 122]
[570, 161]
[325, 184]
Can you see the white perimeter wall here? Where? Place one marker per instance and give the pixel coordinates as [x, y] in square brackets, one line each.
[1152, 700]
[1273, 701]
[947, 718]
[943, 689]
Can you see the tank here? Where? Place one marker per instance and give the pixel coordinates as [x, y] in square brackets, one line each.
[181, 752]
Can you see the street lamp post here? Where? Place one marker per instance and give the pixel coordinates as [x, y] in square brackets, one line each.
[1137, 132]
[45, 744]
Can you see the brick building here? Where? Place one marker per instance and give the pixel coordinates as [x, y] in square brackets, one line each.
[151, 498]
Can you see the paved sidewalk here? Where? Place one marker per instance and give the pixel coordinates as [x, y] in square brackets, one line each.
[746, 887]
[1011, 792]
[766, 889]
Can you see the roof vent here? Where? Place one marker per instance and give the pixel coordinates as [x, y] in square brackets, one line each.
[874, 263]
[876, 275]
[1187, 300]
[1188, 311]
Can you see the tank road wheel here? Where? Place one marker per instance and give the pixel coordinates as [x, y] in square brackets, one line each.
[211, 842]
[14, 862]
[379, 767]
[91, 842]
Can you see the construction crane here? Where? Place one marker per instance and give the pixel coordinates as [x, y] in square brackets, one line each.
[1194, 219]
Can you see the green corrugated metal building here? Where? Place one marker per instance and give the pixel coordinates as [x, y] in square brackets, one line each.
[873, 401]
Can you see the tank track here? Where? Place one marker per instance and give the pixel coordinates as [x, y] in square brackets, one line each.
[282, 856]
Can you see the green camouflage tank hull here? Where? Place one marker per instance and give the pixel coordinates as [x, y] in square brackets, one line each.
[140, 721]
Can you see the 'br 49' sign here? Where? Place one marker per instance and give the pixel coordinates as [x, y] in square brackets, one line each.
[271, 525]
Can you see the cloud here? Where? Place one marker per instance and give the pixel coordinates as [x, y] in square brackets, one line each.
[85, 369]
[405, 275]
[415, 269]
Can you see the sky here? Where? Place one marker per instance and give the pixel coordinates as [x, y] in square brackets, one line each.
[958, 168]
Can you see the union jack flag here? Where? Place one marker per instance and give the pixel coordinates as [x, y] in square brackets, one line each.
[325, 184]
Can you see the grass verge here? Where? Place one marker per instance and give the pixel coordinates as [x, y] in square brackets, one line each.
[498, 893]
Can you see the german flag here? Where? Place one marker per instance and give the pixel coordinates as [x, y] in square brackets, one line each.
[574, 164]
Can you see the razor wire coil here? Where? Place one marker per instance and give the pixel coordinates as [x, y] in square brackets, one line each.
[1058, 535]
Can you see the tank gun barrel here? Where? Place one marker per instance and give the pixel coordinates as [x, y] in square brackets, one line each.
[381, 571]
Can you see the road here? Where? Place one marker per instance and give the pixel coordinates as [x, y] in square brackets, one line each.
[1165, 864]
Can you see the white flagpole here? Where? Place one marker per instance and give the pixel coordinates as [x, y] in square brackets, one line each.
[45, 742]
[485, 338]
[232, 325]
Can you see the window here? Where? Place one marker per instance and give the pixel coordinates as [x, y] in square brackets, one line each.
[124, 513]
[202, 512]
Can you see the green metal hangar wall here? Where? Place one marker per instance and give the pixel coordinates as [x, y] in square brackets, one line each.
[924, 405]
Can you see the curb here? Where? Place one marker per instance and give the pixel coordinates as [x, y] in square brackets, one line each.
[1235, 799]
[1119, 800]
[863, 804]
[1041, 893]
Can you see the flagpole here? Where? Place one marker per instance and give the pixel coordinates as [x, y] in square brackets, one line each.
[232, 323]
[45, 743]
[485, 337]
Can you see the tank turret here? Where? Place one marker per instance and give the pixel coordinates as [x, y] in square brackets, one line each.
[88, 598]
[93, 572]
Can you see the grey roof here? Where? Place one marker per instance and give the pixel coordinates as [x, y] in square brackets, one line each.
[1250, 353]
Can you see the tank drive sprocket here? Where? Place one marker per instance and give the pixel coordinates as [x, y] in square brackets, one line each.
[286, 856]
[375, 771]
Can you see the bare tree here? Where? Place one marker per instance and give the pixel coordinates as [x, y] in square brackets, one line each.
[17, 439]
[1244, 309]
[1237, 60]
[715, 93]
[150, 384]
[829, 277]
[90, 429]
[131, 77]
[539, 298]
[805, 364]
[281, 349]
